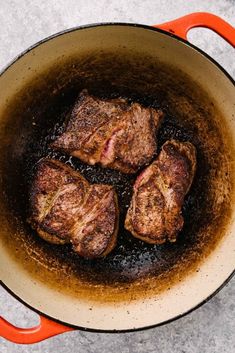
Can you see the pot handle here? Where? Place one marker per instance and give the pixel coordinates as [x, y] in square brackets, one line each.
[182, 25]
[46, 328]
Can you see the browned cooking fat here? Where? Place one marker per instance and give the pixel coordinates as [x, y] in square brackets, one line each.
[111, 132]
[66, 208]
[155, 211]
[34, 118]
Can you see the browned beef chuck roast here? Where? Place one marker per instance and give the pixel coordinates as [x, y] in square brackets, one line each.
[111, 132]
[66, 208]
[155, 211]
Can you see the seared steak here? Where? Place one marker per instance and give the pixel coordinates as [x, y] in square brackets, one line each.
[155, 211]
[111, 132]
[66, 208]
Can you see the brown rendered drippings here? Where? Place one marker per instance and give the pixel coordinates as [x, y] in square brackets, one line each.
[35, 117]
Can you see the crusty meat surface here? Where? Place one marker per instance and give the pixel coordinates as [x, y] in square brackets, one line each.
[154, 214]
[111, 132]
[66, 208]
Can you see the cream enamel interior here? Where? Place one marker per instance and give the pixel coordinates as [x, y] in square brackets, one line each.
[213, 271]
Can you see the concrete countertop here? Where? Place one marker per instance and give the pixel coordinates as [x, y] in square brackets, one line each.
[211, 328]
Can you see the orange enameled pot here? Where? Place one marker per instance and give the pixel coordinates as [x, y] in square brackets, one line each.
[152, 285]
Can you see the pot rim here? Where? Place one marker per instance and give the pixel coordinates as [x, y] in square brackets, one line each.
[127, 24]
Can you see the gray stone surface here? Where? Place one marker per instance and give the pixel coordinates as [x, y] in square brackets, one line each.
[209, 329]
